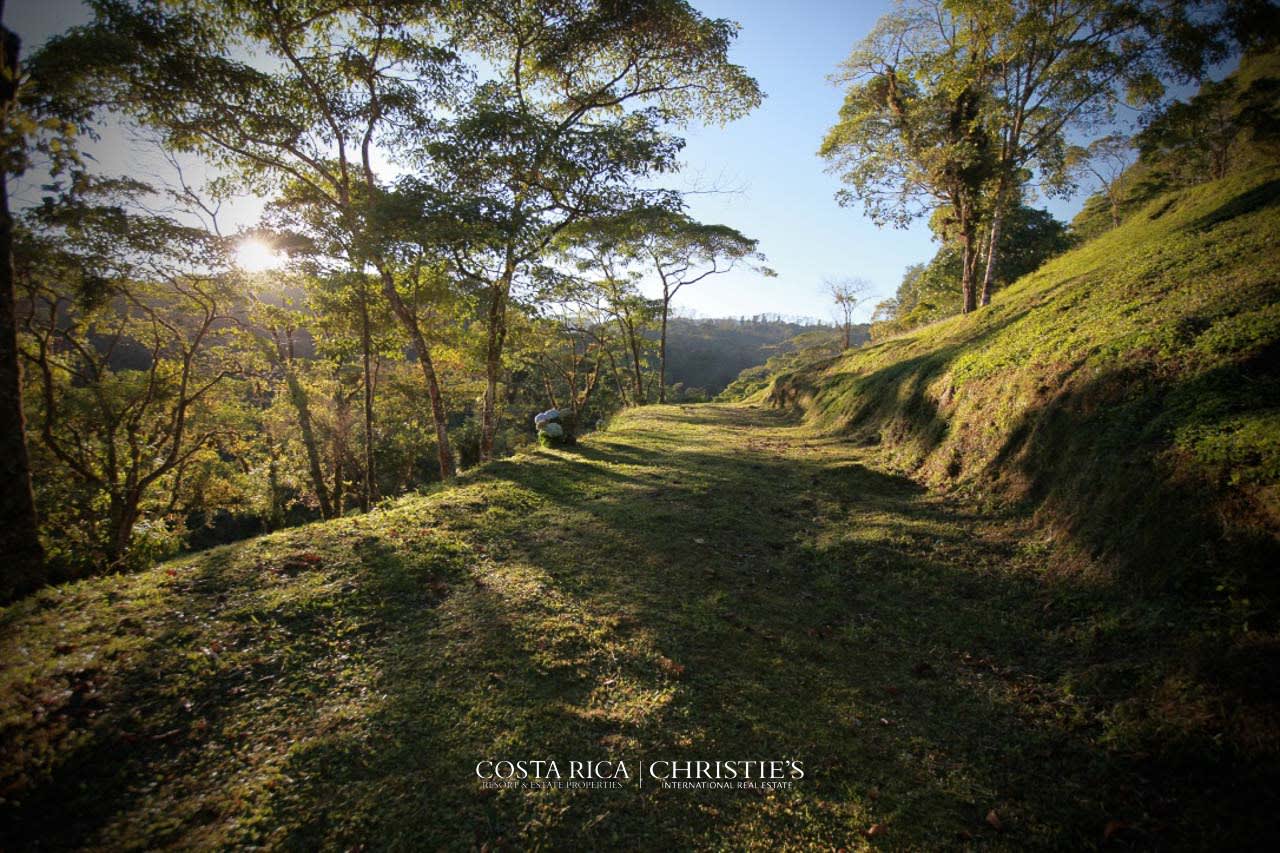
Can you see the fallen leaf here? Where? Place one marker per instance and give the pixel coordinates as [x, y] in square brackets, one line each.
[993, 820]
[876, 829]
[670, 667]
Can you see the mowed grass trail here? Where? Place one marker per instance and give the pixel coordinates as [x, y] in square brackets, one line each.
[695, 583]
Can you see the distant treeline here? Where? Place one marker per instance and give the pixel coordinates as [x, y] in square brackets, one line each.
[705, 355]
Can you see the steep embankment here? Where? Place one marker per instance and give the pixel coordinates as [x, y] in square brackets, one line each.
[1128, 392]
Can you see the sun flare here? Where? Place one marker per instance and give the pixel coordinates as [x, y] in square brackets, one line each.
[253, 255]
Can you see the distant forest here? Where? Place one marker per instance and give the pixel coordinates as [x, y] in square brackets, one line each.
[706, 354]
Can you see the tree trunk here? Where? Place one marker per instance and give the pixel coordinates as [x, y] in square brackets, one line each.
[638, 375]
[298, 395]
[338, 488]
[341, 445]
[275, 518]
[617, 378]
[993, 251]
[497, 335]
[662, 354]
[19, 533]
[410, 323]
[367, 487]
[968, 266]
[123, 515]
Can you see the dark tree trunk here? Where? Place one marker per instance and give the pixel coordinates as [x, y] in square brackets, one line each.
[298, 395]
[443, 452]
[617, 377]
[637, 373]
[968, 266]
[497, 335]
[19, 534]
[662, 354]
[367, 487]
[275, 518]
[123, 515]
[339, 488]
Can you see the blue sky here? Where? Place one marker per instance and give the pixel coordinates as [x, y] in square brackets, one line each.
[781, 194]
[787, 199]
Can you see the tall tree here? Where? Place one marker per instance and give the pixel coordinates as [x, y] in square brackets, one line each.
[282, 325]
[123, 330]
[19, 539]
[680, 252]
[1106, 160]
[1055, 65]
[286, 94]
[577, 108]
[1190, 142]
[847, 294]
[913, 133]
[35, 120]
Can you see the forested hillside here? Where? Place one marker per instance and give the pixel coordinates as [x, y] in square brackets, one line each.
[708, 353]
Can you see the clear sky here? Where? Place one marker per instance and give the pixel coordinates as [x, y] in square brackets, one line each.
[779, 192]
[787, 199]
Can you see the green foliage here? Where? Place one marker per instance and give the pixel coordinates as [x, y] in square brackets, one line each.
[807, 349]
[1191, 141]
[129, 369]
[953, 108]
[709, 354]
[931, 292]
[1229, 126]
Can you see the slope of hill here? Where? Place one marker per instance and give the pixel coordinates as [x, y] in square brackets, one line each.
[778, 597]
[1129, 390]
[1127, 396]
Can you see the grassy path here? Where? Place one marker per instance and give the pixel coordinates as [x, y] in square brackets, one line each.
[697, 583]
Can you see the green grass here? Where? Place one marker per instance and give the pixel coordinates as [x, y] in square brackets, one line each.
[697, 583]
[1019, 562]
[1127, 392]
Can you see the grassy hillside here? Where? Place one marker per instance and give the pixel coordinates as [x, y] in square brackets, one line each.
[1129, 391]
[703, 582]
[1126, 397]
[711, 583]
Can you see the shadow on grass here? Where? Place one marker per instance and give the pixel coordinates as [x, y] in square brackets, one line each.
[695, 586]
